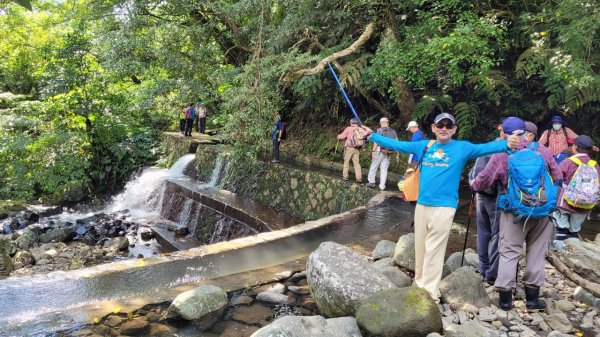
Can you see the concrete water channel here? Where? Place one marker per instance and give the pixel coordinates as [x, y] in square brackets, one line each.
[42, 304]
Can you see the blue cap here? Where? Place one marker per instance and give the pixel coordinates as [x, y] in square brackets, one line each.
[557, 119]
[444, 115]
[512, 124]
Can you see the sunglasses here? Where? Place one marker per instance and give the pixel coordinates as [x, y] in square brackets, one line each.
[445, 125]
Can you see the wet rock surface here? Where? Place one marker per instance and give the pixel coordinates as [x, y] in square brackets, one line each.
[567, 315]
[37, 241]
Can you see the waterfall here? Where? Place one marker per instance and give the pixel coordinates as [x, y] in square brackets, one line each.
[217, 171]
[145, 193]
[227, 229]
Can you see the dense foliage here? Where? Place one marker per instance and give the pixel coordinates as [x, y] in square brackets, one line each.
[96, 81]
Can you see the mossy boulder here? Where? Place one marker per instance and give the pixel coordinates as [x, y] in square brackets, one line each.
[402, 312]
[340, 279]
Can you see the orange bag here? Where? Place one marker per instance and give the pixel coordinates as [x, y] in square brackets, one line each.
[410, 189]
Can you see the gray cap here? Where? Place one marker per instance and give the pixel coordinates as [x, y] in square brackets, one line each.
[529, 126]
[584, 142]
[444, 115]
[353, 121]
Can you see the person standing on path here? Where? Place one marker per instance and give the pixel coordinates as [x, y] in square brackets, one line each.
[514, 230]
[201, 111]
[352, 147]
[568, 218]
[557, 137]
[381, 155]
[276, 137]
[441, 169]
[488, 222]
[181, 115]
[417, 135]
[190, 115]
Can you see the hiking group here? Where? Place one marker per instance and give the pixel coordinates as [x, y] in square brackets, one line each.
[526, 193]
[193, 114]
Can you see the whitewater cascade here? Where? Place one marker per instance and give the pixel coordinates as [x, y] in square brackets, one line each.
[144, 193]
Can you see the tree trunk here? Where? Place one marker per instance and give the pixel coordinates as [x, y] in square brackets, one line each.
[590, 286]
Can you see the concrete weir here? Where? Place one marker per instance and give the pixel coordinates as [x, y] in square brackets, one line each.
[59, 300]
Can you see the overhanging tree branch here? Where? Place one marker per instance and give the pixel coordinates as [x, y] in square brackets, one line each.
[364, 37]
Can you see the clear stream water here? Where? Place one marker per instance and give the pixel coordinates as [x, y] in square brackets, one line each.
[37, 305]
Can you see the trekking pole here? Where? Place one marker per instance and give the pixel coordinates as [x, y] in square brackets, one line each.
[470, 214]
[344, 93]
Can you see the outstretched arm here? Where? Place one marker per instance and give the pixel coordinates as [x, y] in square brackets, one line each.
[396, 145]
[488, 176]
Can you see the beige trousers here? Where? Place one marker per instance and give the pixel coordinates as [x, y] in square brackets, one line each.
[432, 228]
[351, 153]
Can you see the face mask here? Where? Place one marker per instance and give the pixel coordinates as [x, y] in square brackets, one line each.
[556, 126]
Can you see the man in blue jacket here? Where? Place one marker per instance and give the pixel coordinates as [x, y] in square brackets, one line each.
[441, 169]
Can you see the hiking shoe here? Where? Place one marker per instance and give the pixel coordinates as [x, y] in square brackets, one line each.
[371, 185]
[275, 161]
[345, 179]
[359, 181]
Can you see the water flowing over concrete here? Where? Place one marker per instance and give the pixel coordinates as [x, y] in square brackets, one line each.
[144, 192]
[35, 304]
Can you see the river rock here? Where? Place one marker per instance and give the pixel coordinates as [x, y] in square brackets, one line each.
[404, 312]
[468, 329]
[582, 257]
[464, 286]
[400, 279]
[136, 327]
[117, 244]
[61, 234]
[383, 263]
[31, 216]
[404, 253]
[8, 247]
[340, 279]
[384, 249]
[6, 265]
[310, 326]
[564, 305]
[205, 303]
[25, 258]
[28, 239]
[558, 321]
[471, 259]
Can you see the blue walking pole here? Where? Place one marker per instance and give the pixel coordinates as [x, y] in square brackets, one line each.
[345, 95]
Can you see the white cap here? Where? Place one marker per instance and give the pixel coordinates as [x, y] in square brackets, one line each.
[384, 119]
[411, 124]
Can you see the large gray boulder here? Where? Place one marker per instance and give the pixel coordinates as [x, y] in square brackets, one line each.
[340, 279]
[403, 312]
[384, 249]
[60, 234]
[582, 257]
[464, 286]
[310, 326]
[28, 239]
[205, 304]
[471, 259]
[404, 254]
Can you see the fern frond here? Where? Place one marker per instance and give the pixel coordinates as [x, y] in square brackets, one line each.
[467, 117]
[428, 103]
[530, 61]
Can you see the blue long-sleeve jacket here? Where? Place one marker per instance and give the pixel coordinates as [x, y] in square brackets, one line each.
[441, 166]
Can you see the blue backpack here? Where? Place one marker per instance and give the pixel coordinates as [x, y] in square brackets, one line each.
[531, 192]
